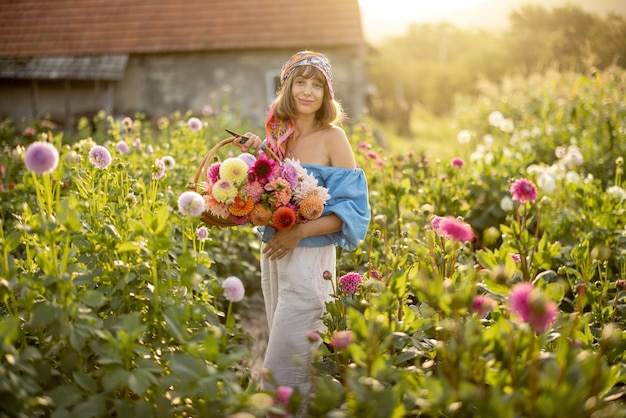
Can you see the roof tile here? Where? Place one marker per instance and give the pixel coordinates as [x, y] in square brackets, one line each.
[78, 27]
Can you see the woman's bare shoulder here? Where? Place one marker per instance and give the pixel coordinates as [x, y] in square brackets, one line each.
[339, 149]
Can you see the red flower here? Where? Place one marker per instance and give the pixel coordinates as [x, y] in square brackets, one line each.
[283, 218]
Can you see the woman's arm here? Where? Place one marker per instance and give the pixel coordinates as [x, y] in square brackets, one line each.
[288, 239]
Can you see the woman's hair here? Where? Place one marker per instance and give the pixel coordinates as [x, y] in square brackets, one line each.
[331, 111]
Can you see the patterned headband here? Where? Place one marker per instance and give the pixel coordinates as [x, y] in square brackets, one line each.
[313, 59]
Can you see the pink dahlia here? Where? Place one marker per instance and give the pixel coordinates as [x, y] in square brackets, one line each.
[213, 173]
[283, 393]
[281, 191]
[531, 307]
[457, 162]
[340, 340]
[523, 190]
[290, 174]
[202, 233]
[100, 157]
[482, 305]
[194, 124]
[122, 147]
[254, 190]
[349, 283]
[41, 157]
[233, 289]
[191, 203]
[455, 229]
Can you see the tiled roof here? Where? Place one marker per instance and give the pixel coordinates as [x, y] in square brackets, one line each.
[86, 67]
[78, 27]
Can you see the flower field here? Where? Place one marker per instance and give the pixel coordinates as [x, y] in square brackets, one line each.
[490, 285]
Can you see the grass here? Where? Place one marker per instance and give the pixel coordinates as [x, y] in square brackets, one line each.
[433, 136]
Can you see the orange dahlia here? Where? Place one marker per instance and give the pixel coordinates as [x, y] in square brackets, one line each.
[311, 208]
[283, 218]
[260, 215]
[241, 206]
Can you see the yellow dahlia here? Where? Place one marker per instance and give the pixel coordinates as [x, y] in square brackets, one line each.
[224, 191]
[234, 170]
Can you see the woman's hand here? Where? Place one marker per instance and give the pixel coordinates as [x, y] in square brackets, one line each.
[282, 243]
[251, 145]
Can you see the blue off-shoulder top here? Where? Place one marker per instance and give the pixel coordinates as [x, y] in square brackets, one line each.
[348, 200]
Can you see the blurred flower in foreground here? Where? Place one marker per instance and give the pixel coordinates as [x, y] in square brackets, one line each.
[122, 147]
[202, 233]
[194, 124]
[349, 283]
[233, 289]
[29, 132]
[169, 162]
[532, 307]
[453, 228]
[191, 203]
[457, 162]
[283, 393]
[341, 339]
[482, 305]
[616, 192]
[495, 118]
[464, 136]
[313, 337]
[100, 157]
[523, 190]
[41, 157]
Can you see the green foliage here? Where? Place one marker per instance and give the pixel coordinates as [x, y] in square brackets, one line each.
[111, 306]
[432, 64]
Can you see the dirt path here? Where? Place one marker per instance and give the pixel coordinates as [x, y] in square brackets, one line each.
[254, 323]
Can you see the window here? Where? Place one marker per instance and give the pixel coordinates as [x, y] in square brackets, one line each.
[272, 83]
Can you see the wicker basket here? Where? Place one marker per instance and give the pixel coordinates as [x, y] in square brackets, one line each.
[207, 217]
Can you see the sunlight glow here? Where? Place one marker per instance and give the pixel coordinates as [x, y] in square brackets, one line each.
[427, 7]
[387, 17]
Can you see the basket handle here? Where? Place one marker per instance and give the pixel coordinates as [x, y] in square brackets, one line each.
[211, 153]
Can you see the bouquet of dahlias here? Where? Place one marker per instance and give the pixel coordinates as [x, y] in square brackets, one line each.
[262, 191]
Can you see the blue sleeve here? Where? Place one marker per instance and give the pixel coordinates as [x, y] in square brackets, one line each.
[349, 201]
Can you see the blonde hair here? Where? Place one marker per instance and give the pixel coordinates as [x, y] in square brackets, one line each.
[331, 111]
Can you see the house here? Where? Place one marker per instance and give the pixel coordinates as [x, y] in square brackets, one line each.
[69, 58]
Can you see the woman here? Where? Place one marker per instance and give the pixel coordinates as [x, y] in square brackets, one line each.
[302, 125]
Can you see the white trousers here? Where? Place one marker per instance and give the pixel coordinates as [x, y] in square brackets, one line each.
[295, 295]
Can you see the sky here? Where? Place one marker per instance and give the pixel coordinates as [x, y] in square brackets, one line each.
[384, 18]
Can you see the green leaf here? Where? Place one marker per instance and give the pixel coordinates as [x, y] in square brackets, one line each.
[174, 326]
[115, 379]
[85, 381]
[45, 313]
[9, 330]
[65, 396]
[93, 299]
[139, 382]
[92, 407]
[185, 366]
[68, 214]
[128, 247]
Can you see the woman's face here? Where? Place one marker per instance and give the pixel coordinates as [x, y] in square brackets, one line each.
[307, 94]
